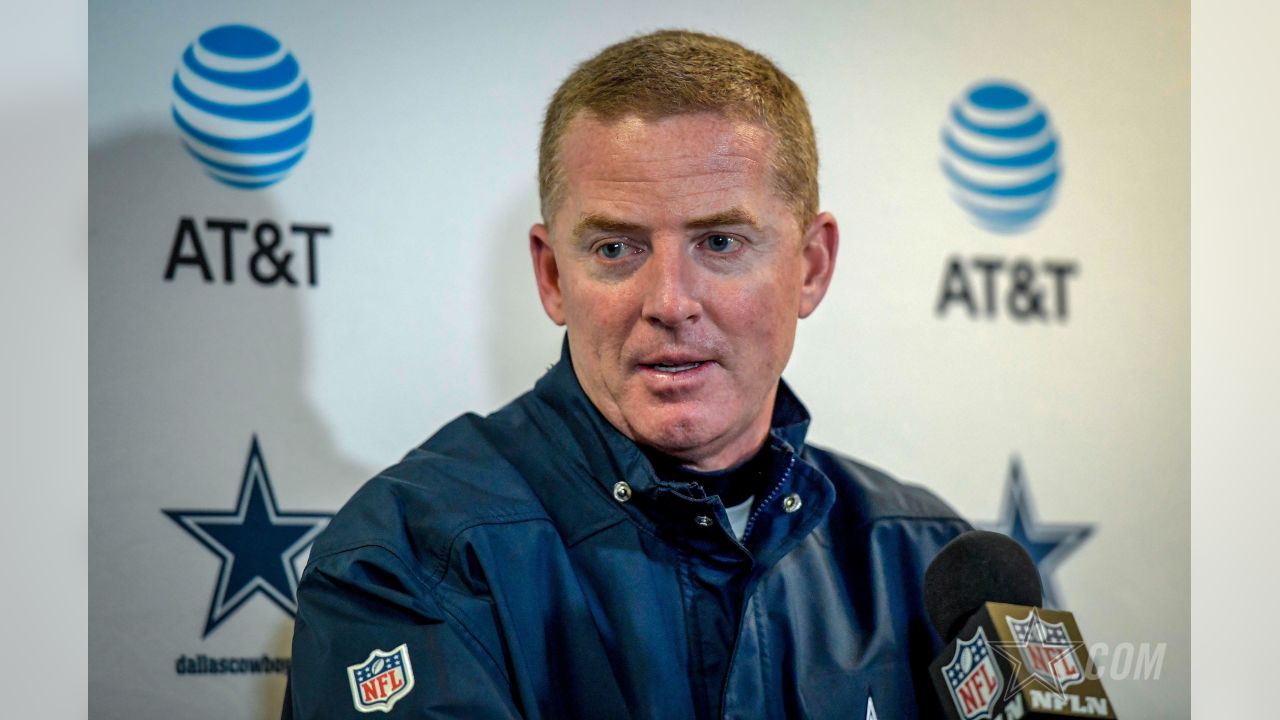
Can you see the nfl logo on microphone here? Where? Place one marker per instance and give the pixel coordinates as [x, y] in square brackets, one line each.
[1047, 651]
[381, 680]
[974, 677]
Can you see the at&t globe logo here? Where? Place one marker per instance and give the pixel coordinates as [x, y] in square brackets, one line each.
[242, 105]
[1000, 154]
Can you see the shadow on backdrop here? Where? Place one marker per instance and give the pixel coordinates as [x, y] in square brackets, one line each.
[523, 340]
[182, 374]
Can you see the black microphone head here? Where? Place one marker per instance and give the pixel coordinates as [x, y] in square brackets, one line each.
[975, 568]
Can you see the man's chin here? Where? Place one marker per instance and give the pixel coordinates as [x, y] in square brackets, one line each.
[687, 437]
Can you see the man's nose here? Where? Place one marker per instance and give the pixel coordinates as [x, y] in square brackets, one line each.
[671, 292]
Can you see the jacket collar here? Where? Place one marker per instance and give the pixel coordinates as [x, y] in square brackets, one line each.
[611, 455]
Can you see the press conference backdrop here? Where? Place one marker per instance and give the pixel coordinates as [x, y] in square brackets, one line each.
[284, 298]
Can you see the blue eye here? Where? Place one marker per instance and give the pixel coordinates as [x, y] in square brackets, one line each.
[720, 243]
[612, 250]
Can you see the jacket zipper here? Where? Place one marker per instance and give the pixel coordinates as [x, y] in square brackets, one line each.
[751, 584]
[751, 520]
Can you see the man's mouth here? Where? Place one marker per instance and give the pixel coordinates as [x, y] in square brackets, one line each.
[675, 368]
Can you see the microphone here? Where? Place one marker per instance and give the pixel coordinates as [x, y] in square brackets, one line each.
[1006, 658]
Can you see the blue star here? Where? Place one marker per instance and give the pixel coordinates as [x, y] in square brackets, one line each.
[258, 544]
[1048, 544]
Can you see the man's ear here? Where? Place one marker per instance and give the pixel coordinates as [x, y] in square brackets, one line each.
[546, 273]
[821, 241]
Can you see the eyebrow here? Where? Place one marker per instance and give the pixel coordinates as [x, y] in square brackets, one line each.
[597, 223]
[732, 216]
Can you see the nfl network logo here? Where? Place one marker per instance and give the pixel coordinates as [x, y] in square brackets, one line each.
[973, 677]
[383, 679]
[1047, 651]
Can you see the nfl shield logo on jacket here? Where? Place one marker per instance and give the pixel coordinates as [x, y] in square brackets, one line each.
[381, 680]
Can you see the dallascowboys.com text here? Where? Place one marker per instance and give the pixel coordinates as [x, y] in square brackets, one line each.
[206, 665]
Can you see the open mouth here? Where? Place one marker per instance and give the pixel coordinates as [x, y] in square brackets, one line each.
[676, 368]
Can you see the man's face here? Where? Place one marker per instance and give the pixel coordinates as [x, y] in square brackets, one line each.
[680, 274]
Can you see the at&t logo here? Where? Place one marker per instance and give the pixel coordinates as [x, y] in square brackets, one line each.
[242, 106]
[1002, 161]
[244, 111]
[1000, 154]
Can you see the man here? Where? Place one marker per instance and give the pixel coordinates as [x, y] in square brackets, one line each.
[645, 533]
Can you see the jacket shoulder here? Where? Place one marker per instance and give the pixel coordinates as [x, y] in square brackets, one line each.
[454, 481]
[876, 494]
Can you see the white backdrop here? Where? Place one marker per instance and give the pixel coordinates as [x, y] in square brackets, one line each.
[422, 162]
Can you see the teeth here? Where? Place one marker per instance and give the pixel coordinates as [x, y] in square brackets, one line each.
[677, 368]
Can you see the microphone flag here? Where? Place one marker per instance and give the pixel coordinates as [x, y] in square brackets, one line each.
[1014, 662]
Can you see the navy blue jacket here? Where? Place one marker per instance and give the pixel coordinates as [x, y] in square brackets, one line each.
[530, 564]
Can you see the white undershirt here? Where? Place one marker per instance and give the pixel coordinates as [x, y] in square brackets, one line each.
[739, 515]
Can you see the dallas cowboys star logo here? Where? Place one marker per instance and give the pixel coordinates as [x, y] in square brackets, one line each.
[257, 542]
[1048, 544]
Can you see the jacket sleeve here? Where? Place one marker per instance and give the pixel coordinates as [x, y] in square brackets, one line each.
[371, 635]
